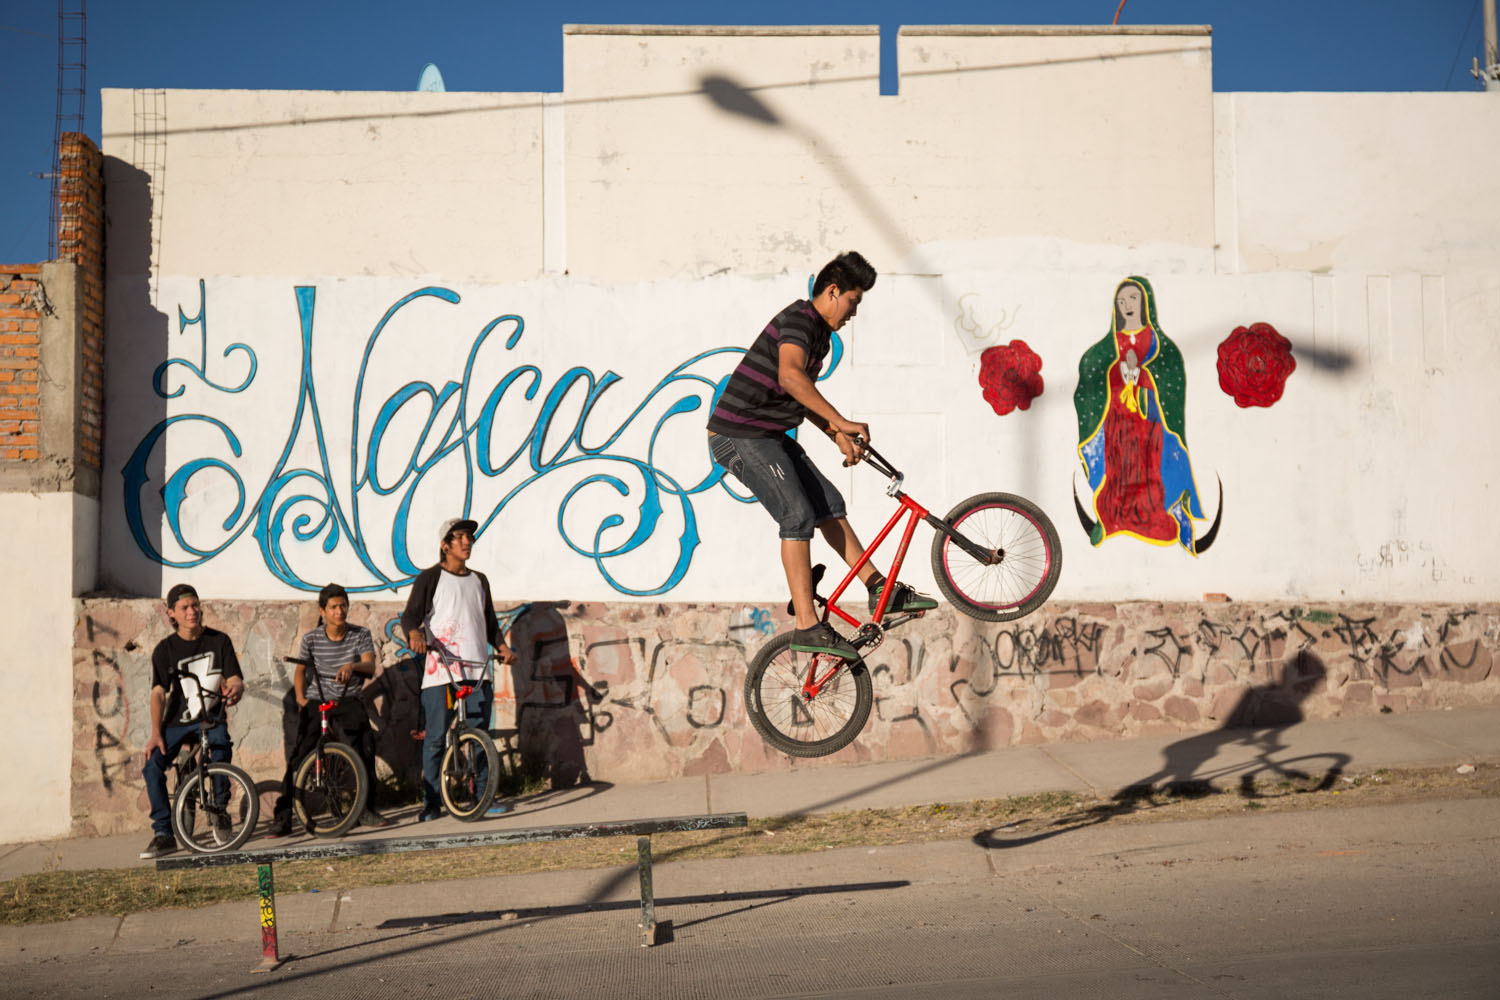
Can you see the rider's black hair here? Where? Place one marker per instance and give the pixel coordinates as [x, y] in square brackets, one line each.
[329, 592]
[847, 272]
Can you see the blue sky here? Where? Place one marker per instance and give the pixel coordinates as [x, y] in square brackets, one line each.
[1258, 45]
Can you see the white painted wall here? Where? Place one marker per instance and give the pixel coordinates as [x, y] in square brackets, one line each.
[50, 547]
[346, 183]
[1015, 180]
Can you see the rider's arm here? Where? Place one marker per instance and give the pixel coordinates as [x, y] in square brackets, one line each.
[158, 706]
[365, 664]
[233, 687]
[791, 372]
[299, 684]
[418, 602]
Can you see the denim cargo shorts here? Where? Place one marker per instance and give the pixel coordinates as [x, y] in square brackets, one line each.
[783, 479]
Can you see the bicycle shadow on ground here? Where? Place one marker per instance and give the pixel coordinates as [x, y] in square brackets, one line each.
[1251, 739]
[523, 805]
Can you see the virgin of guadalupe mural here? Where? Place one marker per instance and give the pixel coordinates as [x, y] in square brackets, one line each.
[1131, 434]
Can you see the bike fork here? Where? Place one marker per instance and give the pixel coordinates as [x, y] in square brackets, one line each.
[988, 557]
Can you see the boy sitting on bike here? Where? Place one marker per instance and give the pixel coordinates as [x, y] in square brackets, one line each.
[342, 655]
[207, 655]
[452, 603]
[768, 395]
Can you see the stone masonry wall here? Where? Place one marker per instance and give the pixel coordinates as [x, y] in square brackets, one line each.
[644, 692]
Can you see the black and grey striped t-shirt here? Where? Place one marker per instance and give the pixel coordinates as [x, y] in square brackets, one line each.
[328, 656]
[753, 403]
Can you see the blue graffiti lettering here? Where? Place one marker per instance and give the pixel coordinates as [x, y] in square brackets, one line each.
[457, 423]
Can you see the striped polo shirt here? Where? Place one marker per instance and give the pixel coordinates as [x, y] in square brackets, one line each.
[328, 656]
[753, 403]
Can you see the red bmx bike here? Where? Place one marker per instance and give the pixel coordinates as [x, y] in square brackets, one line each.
[996, 557]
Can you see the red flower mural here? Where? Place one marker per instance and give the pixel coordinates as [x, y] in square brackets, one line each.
[1010, 376]
[1254, 365]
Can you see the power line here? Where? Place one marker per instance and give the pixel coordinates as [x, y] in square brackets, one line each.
[1461, 39]
[23, 31]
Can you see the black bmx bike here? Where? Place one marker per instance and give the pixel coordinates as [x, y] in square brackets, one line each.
[330, 787]
[216, 805]
[469, 775]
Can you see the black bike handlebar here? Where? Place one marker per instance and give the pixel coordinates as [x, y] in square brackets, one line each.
[876, 460]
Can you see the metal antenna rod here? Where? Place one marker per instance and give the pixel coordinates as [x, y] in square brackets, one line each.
[72, 47]
[1490, 71]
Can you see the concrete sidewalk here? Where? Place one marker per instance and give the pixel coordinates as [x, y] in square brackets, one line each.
[1450, 737]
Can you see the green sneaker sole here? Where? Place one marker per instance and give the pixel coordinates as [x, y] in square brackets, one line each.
[927, 604]
[843, 654]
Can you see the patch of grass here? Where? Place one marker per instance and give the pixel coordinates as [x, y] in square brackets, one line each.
[66, 895]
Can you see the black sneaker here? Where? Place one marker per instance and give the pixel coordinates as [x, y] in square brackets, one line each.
[281, 826]
[903, 598]
[822, 638]
[161, 844]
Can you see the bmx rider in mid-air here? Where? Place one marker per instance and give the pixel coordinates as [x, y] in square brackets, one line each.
[769, 393]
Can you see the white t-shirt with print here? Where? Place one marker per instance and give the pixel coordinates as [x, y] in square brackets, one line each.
[457, 622]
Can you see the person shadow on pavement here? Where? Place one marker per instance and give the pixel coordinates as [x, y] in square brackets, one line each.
[1252, 741]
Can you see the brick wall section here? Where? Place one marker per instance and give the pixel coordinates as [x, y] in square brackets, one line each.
[21, 300]
[80, 239]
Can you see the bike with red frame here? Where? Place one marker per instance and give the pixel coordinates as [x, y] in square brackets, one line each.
[996, 557]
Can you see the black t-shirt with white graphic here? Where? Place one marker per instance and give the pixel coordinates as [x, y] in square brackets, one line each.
[208, 660]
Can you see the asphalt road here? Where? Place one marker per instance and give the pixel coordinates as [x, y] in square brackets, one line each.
[1376, 902]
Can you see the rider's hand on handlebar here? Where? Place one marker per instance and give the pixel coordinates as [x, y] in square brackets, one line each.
[853, 447]
[417, 642]
[505, 654]
[853, 428]
[234, 690]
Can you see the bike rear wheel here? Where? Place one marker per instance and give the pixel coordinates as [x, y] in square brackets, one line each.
[1031, 557]
[219, 817]
[470, 775]
[330, 790]
[794, 724]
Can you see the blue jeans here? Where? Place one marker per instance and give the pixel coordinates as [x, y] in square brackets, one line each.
[437, 715]
[220, 749]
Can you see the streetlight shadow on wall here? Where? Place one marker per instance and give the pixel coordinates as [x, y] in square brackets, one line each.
[735, 99]
[1331, 360]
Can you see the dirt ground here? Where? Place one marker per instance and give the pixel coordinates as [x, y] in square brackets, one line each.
[66, 895]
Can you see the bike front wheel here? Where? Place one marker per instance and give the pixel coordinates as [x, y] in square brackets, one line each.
[1028, 564]
[331, 790]
[801, 726]
[471, 773]
[219, 817]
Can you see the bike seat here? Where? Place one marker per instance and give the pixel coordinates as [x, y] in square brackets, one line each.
[818, 599]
